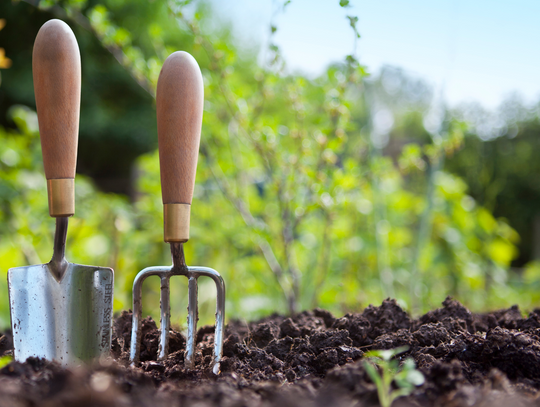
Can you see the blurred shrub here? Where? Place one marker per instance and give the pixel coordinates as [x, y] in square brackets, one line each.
[499, 163]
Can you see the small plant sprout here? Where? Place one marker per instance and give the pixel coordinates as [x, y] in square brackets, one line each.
[383, 370]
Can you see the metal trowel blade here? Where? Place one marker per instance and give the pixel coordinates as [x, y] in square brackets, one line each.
[69, 320]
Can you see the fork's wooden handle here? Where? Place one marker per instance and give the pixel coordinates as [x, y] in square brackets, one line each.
[179, 99]
[56, 67]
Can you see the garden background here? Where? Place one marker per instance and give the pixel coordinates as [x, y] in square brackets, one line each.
[334, 192]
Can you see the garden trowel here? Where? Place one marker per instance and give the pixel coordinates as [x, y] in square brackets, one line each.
[59, 311]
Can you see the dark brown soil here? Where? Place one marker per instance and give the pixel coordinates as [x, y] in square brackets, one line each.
[313, 359]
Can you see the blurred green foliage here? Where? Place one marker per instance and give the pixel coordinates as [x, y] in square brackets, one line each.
[323, 192]
[499, 162]
[115, 110]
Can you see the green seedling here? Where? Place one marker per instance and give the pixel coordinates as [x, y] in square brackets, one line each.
[384, 370]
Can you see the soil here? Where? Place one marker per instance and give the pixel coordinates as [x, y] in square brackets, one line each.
[312, 359]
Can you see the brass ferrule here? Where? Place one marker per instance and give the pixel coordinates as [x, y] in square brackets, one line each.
[61, 194]
[176, 222]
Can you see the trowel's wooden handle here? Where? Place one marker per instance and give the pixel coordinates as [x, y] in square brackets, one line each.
[56, 67]
[180, 99]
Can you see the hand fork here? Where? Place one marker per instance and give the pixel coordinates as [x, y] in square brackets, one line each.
[179, 98]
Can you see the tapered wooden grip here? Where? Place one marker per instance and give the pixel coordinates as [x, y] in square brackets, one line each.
[179, 98]
[56, 67]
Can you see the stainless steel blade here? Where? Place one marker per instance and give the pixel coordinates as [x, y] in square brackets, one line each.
[69, 320]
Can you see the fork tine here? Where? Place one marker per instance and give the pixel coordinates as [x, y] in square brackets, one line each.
[165, 318]
[220, 312]
[137, 310]
[193, 317]
[135, 346]
[220, 321]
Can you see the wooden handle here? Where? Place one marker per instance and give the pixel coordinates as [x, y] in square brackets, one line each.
[56, 67]
[179, 99]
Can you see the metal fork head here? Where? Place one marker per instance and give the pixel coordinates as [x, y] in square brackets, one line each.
[165, 273]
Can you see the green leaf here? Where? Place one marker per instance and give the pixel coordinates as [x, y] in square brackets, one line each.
[352, 22]
[344, 3]
[362, 71]
[373, 373]
[5, 360]
[416, 377]
[389, 354]
[409, 365]
[351, 60]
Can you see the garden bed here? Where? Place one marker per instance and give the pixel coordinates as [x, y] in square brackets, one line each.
[313, 359]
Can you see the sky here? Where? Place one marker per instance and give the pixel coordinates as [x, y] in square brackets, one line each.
[470, 50]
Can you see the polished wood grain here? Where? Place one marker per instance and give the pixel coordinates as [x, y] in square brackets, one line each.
[179, 98]
[56, 68]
